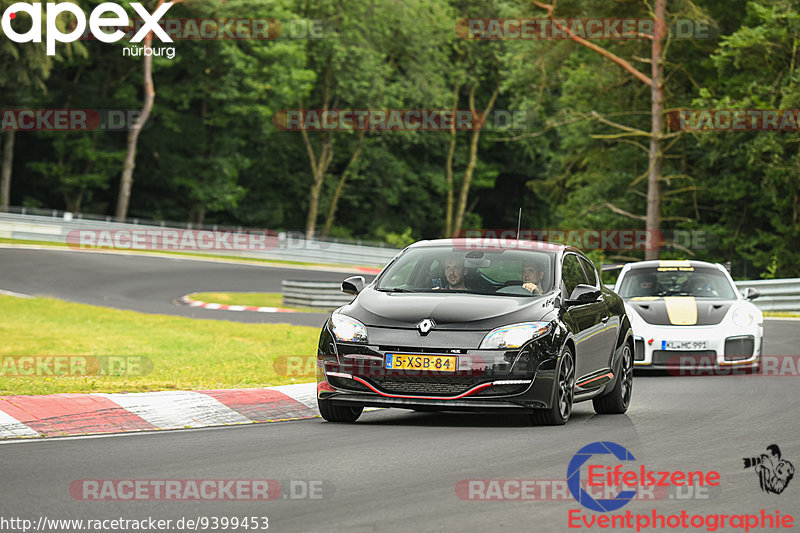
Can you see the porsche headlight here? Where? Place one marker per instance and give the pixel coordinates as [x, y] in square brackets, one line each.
[743, 317]
[348, 329]
[513, 336]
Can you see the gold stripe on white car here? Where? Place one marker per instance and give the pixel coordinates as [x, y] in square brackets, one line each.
[681, 310]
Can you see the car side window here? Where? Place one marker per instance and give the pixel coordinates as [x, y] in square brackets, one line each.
[591, 273]
[571, 273]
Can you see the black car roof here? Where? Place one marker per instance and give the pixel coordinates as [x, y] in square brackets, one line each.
[488, 244]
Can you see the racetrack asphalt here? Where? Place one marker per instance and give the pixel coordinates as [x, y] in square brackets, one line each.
[151, 284]
[397, 470]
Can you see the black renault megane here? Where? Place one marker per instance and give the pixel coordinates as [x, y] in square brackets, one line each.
[462, 324]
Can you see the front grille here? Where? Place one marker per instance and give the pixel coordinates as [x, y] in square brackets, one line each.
[738, 348]
[434, 384]
[417, 349]
[432, 388]
[427, 385]
[638, 350]
[674, 358]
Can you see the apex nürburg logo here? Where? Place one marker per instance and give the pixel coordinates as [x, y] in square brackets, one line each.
[96, 23]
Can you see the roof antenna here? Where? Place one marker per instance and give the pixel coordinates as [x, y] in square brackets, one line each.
[519, 221]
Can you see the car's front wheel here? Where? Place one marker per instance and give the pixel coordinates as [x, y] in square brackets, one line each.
[563, 393]
[334, 412]
[618, 399]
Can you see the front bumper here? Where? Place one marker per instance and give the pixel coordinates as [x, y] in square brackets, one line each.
[482, 380]
[725, 347]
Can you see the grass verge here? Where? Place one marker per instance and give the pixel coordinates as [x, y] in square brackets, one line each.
[184, 353]
[257, 299]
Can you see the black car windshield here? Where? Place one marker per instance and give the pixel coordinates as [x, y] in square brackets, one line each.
[700, 282]
[449, 269]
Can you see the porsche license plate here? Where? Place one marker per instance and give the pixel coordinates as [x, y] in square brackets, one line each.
[437, 363]
[684, 345]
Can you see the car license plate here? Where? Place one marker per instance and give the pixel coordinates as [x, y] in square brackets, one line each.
[684, 345]
[438, 363]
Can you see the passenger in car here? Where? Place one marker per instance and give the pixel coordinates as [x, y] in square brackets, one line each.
[699, 286]
[532, 275]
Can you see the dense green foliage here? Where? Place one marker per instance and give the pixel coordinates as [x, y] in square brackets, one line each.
[211, 152]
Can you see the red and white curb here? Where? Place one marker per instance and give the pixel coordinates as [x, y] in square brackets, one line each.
[85, 414]
[186, 300]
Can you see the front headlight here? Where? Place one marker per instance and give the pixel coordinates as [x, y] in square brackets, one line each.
[513, 336]
[347, 329]
[743, 317]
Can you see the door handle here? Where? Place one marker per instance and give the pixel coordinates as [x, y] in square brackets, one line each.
[604, 320]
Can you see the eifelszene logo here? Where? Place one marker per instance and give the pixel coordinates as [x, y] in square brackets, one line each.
[601, 475]
[774, 472]
[574, 477]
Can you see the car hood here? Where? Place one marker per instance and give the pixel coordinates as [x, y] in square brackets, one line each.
[680, 310]
[447, 310]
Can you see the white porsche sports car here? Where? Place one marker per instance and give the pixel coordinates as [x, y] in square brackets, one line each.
[690, 314]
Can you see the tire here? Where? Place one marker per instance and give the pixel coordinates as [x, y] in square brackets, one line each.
[563, 394]
[616, 401]
[333, 412]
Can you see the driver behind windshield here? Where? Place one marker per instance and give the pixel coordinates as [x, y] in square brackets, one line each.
[699, 286]
[455, 273]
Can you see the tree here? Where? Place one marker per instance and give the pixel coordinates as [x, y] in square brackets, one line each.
[655, 82]
[24, 68]
[753, 177]
[475, 67]
[126, 178]
[370, 58]
[80, 166]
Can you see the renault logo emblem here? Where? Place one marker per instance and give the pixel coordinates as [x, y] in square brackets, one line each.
[425, 326]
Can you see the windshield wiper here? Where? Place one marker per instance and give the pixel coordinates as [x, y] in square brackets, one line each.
[396, 289]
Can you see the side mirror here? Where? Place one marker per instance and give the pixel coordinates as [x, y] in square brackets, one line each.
[583, 294]
[353, 285]
[751, 293]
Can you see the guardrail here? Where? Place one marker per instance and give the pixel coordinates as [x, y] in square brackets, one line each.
[283, 246]
[775, 294]
[55, 226]
[322, 294]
